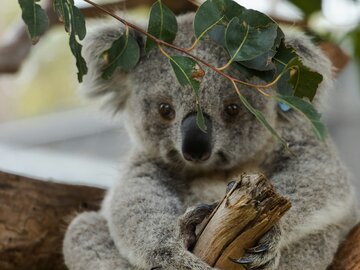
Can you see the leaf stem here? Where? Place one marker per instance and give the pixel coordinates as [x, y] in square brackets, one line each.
[202, 34]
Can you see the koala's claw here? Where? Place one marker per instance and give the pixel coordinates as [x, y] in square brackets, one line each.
[188, 222]
[243, 260]
[230, 185]
[258, 249]
[264, 256]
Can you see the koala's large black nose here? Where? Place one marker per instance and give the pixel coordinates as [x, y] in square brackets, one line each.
[196, 144]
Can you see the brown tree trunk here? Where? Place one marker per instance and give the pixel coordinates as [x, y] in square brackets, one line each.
[33, 219]
[348, 255]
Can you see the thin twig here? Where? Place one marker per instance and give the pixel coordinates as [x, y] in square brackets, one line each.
[185, 51]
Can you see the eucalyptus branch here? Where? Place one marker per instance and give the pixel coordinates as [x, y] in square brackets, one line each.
[185, 51]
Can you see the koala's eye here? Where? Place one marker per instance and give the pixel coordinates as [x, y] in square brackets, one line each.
[232, 109]
[166, 111]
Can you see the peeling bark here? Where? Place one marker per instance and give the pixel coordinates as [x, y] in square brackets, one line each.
[246, 213]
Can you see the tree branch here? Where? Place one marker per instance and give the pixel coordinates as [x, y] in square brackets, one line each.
[17, 47]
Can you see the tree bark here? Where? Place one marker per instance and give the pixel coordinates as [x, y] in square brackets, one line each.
[33, 219]
[348, 255]
[246, 213]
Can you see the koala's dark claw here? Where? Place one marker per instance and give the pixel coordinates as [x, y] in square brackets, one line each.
[258, 249]
[243, 260]
[230, 185]
[207, 208]
[156, 267]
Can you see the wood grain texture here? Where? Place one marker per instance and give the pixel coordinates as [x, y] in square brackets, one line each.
[33, 219]
[348, 254]
[246, 213]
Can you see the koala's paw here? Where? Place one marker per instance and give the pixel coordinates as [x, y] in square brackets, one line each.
[264, 256]
[188, 222]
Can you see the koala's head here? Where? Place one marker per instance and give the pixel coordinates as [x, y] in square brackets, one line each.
[161, 115]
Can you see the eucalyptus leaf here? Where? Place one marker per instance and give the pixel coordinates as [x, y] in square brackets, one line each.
[62, 11]
[308, 111]
[206, 17]
[74, 23]
[259, 116]
[35, 19]
[265, 61]
[217, 34]
[78, 22]
[124, 53]
[245, 42]
[245, 73]
[283, 56]
[162, 25]
[305, 82]
[215, 12]
[200, 121]
[76, 48]
[187, 71]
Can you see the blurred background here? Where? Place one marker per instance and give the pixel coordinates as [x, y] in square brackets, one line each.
[48, 132]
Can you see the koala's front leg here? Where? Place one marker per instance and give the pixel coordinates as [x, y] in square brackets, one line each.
[88, 245]
[319, 190]
[143, 214]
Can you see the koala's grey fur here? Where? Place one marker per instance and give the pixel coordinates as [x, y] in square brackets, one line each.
[137, 227]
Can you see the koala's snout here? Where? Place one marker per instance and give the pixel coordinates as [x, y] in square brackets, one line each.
[196, 144]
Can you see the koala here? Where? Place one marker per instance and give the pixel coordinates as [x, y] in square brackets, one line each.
[175, 172]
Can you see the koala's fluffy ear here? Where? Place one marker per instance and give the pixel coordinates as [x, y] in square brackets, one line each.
[314, 58]
[115, 90]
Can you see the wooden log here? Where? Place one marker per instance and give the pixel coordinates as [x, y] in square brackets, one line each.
[246, 213]
[33, 218]
[348, 255]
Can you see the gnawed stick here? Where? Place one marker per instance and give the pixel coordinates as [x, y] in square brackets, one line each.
[246, 213]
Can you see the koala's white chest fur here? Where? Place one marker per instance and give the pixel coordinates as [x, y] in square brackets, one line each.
[211, 188]
[206, 189]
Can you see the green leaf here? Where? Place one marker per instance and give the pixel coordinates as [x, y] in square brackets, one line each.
[305, 82]
[78, 23]
[245, 73]
[308, 111]
[80, 61]
[259, 116]
[35, 18]
[200, 121]
[74, 23]
[207, 16]
[63, 13]
[123, 53]
[162, 25]
[217, 34]
[283, 56]
[245, 42]
[307, 7]
[214, 12]
[187, 71]
[71, 16]
[265, 61]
